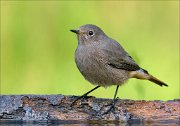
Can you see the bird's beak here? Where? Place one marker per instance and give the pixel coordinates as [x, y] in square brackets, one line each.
[75, 31]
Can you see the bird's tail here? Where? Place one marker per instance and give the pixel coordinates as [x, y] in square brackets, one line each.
[143, 74]
[157, 81]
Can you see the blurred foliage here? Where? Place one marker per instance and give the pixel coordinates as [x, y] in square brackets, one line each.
[37, 49]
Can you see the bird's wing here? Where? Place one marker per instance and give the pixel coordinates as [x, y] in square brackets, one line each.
[121, 63]
[118, 58]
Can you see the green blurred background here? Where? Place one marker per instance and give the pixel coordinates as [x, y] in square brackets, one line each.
[37, 48]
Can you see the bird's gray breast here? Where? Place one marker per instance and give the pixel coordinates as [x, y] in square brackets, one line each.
[92, 63]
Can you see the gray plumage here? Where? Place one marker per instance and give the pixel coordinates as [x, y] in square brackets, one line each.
[103, 61]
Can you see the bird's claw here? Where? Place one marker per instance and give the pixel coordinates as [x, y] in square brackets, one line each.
[82, 99]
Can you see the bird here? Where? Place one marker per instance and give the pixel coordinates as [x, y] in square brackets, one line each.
[104, 62]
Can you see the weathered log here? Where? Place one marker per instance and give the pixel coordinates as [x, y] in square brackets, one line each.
[56, 108]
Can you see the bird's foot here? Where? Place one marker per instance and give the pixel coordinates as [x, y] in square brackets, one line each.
[112, 107]
[85, 97]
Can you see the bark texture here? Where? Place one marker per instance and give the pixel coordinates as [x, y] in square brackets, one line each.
[56, 108]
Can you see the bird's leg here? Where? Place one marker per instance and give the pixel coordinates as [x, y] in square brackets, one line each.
[112, 108]
[84, 95]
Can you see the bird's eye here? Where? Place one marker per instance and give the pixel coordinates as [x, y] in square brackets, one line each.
[91, 33]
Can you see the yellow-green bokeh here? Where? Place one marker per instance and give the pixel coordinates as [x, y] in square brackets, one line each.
[37, 48]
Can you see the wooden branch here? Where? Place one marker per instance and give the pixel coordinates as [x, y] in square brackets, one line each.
[57, 108]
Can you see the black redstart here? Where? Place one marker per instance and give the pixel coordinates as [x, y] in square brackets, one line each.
[104, 62]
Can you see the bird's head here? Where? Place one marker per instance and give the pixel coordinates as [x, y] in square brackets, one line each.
[89, 34]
